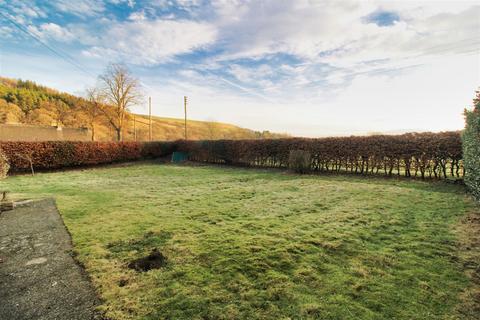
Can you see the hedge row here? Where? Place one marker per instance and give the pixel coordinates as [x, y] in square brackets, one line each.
[471, 148]
[422, 155]
[64, 154]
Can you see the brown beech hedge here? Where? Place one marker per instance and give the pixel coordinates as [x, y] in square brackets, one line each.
[434, 155]
[64, 154]
[425, 155]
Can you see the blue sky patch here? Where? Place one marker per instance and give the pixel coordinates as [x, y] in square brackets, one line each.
[383, 18]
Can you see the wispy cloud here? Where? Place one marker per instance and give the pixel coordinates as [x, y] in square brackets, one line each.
[82, 8]
[51, 31]
[152, 42]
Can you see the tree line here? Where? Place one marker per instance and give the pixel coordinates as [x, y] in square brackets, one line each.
[108, 101]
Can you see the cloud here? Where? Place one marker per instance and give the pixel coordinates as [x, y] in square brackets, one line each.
[23, 11]
[293, 27]
[87, 8]
[137, 16]
[187, 5]
[6, 32]
[339, 30]
[153, 42]
[129, 3]
[250, 74]
[52, 31]
[83, 8]
[333, 42]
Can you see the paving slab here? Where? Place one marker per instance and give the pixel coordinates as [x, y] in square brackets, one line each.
[39, 279]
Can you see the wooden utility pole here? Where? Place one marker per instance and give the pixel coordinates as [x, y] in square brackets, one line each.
[94, 114]
[134, 128]
[185, 108]
[150, 117]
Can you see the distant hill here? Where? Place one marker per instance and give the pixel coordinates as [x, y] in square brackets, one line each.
[26, 102]
[172, 129]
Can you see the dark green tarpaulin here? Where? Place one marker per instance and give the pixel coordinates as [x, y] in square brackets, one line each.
[179, 157]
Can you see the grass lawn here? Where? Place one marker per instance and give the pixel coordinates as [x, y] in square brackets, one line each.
[257, 244]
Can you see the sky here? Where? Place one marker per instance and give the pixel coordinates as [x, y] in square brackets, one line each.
[305, 67]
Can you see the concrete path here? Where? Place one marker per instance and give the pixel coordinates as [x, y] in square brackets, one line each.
[39, 279]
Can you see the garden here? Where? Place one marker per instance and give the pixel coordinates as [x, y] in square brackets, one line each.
[264, 244]
[381, 227]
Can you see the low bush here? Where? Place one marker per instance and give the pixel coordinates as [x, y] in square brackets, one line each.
[471, 147]
[64, 154]
[435, 155]
[299, 161]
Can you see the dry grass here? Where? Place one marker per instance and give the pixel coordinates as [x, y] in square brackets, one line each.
[173, 129]
[468, 233]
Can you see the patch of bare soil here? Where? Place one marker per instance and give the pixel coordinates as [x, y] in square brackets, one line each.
[468, 232]
[155, 260]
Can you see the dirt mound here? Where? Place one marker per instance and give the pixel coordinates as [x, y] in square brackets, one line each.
[155, 260]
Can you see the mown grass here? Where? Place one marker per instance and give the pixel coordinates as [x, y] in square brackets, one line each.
[254, 244]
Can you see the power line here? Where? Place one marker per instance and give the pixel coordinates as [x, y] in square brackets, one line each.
[77, 65]
[64, 56]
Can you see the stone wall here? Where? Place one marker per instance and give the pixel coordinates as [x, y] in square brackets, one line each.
[15, 132]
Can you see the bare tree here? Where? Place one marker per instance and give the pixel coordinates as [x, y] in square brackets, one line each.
[121, 91]
[93, 108]
[27, 156]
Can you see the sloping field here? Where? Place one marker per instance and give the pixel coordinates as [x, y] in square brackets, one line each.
[174, 129]
[253, 244]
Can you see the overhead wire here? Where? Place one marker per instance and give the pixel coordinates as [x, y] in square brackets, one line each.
[64, 56]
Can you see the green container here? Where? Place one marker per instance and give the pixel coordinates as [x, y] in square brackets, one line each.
[179, 157]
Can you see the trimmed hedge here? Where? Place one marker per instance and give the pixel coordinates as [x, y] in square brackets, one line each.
[471, 148]
[64, 154]
[434, 155]
[422, 155]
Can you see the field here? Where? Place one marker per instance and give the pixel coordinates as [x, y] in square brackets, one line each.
[173, 129]
[258, 244]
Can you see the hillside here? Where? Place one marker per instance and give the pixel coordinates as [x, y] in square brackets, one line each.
[26, 102]
[173, 129]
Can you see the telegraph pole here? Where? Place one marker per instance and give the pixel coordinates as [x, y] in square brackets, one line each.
[185, 108]
[134, 128]
[150, 118]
